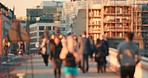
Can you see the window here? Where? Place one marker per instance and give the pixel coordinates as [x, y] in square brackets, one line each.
[41, 27]
[41, 33]
[33, 34]
[118, 20]
[34, 40]
[54, 27]
[32, 45]
[146, 46]
[118, 10]
[62, 29]
[49, 27]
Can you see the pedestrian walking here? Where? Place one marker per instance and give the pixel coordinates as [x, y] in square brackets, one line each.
[45, 47]
[38, 47]
[99, 56]
[92, 47]
[105, 47]
[21, 48]
[84, 49]
[128, 56]
[56, 48]
[6, 46]
[70, 58]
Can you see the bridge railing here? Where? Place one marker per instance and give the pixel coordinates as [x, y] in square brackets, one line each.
[141, 68]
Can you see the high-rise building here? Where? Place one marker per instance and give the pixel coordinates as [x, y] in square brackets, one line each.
[94, 17]
[47, 15]
[114, 18]
[70, 13]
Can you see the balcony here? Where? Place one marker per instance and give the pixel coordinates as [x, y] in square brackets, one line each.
[99, 16]
[116, 14]
[95, 30]
[110, 21]
[94, 24]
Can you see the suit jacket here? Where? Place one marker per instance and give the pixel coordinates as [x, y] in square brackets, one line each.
[84, 45]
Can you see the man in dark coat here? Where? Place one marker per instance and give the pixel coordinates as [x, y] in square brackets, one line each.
[84, 49]
[105, 47]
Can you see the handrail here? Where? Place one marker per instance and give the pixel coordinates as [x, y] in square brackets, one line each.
[144, 59]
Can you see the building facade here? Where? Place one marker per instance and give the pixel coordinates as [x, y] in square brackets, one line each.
[114, 18]
[47, 14]
[70, 13]
[37, 30]
[6, 17]
[94, 24]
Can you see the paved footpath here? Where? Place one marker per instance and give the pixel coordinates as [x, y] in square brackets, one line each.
[42, 71]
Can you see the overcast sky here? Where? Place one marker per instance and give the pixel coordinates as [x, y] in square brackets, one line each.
[21, 5]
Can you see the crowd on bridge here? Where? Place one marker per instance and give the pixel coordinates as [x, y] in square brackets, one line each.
[73, 52]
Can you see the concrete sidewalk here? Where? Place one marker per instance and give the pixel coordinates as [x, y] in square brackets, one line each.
[42, 71]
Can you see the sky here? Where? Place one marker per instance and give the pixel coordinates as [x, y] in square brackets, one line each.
[21, 5]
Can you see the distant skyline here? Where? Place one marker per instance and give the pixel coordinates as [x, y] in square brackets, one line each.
[21, 5]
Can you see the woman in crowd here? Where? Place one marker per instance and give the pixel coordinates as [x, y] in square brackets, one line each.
[54, 56]
[45, 47]
[70, 58]
[99, 56]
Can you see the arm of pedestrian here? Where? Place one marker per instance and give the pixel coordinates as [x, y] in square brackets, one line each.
[137, 55]
[77, 58]
[43, 43]
[137, 59]
[119, 55]
[63, 53]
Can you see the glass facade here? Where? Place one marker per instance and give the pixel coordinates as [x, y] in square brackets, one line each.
[41, 27]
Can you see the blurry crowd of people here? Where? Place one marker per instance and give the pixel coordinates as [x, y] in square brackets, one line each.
[73, 52]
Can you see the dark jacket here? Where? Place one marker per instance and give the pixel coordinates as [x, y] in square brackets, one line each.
[84, 45]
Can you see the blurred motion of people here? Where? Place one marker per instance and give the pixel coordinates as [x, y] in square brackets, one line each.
[21, 48]
[84, 49]
[55, 48]
[99, 56]
[6, 46]
[128, 56]
[38, 47]
[105, 50]
[92, 47]
[45, 47]
[70, 58]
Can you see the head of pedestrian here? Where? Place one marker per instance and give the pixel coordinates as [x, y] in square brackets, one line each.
[5, 39]
[60, 36]
[52, 36]
[69, 34]
[103, 37]
[84, 34]
[129, 36]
